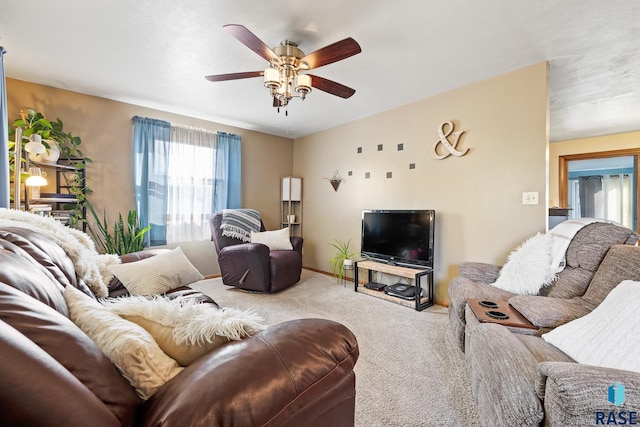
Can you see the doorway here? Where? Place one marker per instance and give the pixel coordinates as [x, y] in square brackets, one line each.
[601, 185]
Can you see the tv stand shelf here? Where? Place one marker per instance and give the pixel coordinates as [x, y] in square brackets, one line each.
[416, 274]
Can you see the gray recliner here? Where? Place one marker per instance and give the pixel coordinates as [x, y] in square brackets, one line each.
[584, 254]
[523, 380]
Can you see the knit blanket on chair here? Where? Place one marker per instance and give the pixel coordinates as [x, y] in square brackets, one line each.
[239, 223]
[563, 233]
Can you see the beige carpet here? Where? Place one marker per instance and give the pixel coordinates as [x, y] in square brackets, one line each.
[408, 373]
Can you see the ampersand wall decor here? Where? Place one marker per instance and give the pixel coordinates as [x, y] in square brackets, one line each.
[450, 147]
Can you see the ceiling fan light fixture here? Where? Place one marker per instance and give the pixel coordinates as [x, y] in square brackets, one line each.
[272, 78]
[303, 85]
[286, 61]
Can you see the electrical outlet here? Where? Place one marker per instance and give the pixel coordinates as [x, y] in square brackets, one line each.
[530, 198]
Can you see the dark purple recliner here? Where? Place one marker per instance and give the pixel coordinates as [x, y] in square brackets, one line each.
[251, 266]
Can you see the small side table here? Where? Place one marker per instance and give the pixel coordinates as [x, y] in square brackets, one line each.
[345, 276]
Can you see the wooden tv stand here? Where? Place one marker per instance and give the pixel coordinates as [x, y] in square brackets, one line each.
[416, 274]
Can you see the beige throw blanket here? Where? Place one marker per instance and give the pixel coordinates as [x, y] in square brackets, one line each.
[562, 235]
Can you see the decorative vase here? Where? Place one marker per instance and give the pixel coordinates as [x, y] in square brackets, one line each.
[50, 156]
[291, 219]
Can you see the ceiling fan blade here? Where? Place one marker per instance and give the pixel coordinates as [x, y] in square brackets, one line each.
[250, 40]
[234, 76]
[331, 87]
[332, 53]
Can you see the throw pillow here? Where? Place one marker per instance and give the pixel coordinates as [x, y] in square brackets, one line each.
[128, 346]
[157, 274]
[276, 240]
[604, 337]
[529, 268]
[186, 330]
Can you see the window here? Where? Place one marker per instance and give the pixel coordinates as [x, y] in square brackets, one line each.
[601, 185]
[182, 175]
[190, 184]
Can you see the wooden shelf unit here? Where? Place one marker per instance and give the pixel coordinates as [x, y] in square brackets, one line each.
[291, 204]
[416, 274]
[66, 172]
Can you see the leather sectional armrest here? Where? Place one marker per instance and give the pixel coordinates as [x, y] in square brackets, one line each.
[292, 373]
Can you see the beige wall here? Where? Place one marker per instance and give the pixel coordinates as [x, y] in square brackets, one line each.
[618, 141]
[477, 198]
[106, 130]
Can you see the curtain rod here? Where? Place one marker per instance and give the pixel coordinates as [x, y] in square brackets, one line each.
[179, 126]
[194, 128]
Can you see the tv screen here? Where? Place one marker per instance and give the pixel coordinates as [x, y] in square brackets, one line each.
[399, 236]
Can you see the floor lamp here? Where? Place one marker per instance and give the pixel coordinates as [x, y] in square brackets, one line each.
[17, 166]
[34, 146]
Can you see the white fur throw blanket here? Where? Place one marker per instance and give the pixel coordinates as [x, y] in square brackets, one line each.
[194, 323]
[90, 266]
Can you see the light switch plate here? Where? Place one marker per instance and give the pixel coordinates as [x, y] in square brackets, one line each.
[530, 198]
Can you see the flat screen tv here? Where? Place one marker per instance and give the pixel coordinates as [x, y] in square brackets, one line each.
[399, 236]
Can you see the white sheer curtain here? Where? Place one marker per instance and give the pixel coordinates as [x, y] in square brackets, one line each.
[617, 198]
[191, 183]
[612, 199]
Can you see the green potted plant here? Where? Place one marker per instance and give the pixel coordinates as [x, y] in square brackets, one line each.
[125, 238]
[341, 256]
[54, 137]
[59, 144]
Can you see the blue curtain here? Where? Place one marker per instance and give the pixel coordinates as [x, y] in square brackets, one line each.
[228, 192]
[150, 169]
[4, 137]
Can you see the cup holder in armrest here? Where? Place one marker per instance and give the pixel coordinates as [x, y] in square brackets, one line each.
[488, 304]
[496, 315]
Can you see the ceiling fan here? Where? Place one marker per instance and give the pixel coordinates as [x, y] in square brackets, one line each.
[284, 77]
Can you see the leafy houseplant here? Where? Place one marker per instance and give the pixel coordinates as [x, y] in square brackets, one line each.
[52, 133]
[34, 122]
[124, 239]
[342, 253]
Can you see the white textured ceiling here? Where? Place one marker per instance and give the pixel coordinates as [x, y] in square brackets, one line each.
[155, 53]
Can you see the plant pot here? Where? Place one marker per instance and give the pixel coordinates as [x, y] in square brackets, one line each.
[50, 156]
[347, 262]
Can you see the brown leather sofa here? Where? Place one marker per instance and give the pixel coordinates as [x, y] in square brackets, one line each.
[297, 373]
